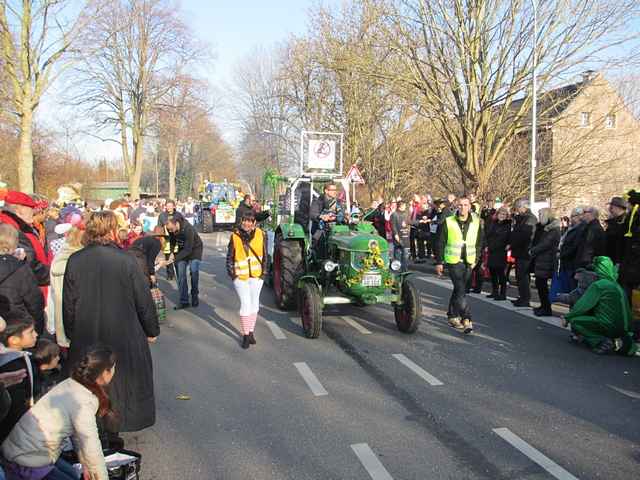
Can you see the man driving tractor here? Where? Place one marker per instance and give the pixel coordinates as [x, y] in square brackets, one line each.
[326, 209]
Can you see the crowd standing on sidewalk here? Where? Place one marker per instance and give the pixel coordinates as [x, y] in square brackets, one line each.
[567, 255]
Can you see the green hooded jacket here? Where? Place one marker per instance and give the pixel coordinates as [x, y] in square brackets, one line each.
[605, 300]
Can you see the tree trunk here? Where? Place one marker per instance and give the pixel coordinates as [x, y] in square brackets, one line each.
[25, 153]
[172, 153]
[138, 158]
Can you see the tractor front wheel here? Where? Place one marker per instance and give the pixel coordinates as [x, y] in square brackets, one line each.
[409, 312]
[311, 310]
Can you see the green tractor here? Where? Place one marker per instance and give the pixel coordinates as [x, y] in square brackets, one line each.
[354, 268]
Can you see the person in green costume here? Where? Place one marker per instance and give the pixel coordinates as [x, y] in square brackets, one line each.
[601, 318]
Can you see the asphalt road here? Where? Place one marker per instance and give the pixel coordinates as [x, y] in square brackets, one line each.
[512, 401]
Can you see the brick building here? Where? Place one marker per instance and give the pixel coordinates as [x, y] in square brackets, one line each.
[589, 145]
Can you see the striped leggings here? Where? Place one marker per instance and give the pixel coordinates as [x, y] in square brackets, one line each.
[249, 293]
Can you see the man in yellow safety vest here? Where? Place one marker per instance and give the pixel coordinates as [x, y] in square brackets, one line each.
[459, 246]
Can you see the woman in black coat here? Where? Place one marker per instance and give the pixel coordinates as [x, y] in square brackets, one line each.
[497, 236]
[544, 252]
[107, 300]
[18, 285]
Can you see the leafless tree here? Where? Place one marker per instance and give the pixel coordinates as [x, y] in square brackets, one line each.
[36, 39]
[178, 112]
[133, 50]
[471, 63]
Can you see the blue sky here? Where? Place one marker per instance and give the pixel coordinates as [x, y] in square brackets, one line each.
[232, 28]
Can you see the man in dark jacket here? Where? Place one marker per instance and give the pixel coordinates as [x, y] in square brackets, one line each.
[107, 300]
[400, 231]
[189, 255]
[524, 229]
[169, 211]
[614, 234]
[630, 261]
[248, 205]
[593, 242]
[245, 206]
[377, 218]
[18, 286]
[325, 209]
[18, 212]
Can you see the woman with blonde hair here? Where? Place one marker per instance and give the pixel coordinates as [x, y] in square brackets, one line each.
[106, 299]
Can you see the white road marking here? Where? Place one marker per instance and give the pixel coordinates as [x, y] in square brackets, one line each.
[356, 325]
[225, 328]
[312, 381]
[418, 370]
[275, 329]
[555, 321]
[370, 462]
[628, 393]
[535, 455]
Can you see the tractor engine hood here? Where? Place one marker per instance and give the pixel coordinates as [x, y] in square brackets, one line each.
[356, 241]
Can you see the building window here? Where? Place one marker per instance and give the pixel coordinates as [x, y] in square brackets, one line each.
[585, 119]
[610, 121]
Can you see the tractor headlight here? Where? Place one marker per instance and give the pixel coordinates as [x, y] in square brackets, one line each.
[330, 266]
[396, 266]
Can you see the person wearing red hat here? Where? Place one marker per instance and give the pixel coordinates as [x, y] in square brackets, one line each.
[18, 212]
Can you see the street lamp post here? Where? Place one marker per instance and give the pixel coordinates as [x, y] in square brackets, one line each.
[534, 110]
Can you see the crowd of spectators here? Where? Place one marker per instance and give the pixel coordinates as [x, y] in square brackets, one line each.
[565, 254]
[75, 308]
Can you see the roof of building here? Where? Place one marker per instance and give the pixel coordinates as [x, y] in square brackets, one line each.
[553, 103]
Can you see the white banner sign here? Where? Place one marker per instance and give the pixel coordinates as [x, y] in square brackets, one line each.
[322, 154]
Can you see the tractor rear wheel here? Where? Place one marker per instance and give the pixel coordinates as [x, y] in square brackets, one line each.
[207, 221]
[409, 312]
[288, 265]
[311, 310]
